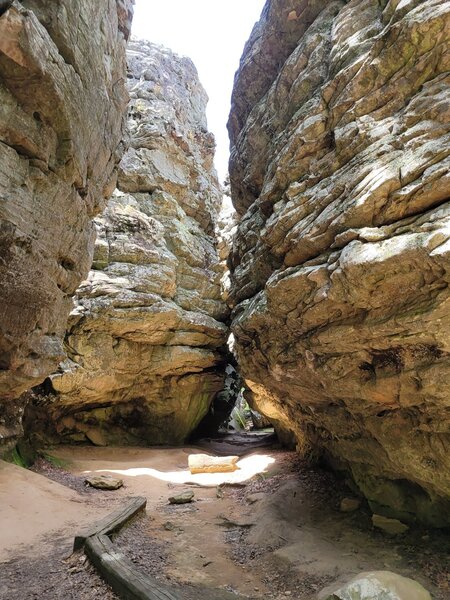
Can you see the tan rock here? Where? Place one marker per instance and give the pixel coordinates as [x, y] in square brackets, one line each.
[256, 497]
[104, 482]
[349, 504]
[146, 335]
[203, 463]
[183, 498]
[391, 526]
[340, 266]
[59, 150]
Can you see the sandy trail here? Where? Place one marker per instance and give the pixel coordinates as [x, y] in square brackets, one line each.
[196, 543]
[147, 471]
[291, 540]
[35, 510]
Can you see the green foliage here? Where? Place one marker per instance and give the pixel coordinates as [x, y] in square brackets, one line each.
[55, 461]
[15, 458]
[239, 417]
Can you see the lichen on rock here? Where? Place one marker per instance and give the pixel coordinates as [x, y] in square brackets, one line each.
[340, 267]
[145, 338]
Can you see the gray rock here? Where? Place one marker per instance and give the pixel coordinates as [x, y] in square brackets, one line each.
[183, 498]
[104, 482]
[377, 585]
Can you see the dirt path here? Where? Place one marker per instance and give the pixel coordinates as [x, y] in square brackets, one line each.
[34, 510]
[192, 532]
[290, 541]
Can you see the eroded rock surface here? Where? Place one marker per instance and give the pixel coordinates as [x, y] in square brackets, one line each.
[144, 341]
[340, 268]
[61, 64]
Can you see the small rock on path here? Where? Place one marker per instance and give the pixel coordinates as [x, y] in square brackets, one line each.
[104, 482]
[183, 498]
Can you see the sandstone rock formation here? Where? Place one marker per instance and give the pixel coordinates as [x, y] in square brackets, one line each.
[62, 102]
[144, 341]
[340, 268]
[225, 232]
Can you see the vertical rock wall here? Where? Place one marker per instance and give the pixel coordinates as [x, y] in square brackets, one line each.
[144, 341]
[62, 102]
[340, 132]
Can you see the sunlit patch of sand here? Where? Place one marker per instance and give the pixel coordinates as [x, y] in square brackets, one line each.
[248, 468]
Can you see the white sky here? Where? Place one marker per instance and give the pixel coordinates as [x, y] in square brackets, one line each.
[212, 33]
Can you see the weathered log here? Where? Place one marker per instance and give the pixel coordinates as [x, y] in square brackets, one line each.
[112, 522]
[125, 579]
[202, 463]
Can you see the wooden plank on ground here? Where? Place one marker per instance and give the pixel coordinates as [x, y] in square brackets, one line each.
[112, 522]
[125, 579]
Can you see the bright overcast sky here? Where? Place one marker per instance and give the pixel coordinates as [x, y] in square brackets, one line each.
[212, 33]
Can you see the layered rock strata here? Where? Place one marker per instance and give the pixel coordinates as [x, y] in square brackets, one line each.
[340, 268]
[63, 100]
[144, 341]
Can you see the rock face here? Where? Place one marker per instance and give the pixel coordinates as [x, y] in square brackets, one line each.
[144, 341]
[61, 64]
[340, 268]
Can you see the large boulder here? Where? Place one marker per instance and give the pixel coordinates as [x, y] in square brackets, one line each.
[63, 100]
[340, 267]
[145, 338]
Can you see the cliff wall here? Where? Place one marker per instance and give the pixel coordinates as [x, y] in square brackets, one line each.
[145, 339]
[340, 267]
[63, 100]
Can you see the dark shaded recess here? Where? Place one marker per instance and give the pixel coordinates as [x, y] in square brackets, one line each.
[415, 504]
[5, 359]
[4, 5]
[221, 407]
[388, 359]
[368, 371]
[67, 264]
[45, 388]
[135, 417]
[384, 413]
[219, 412]
[7, 239]
[393, 359]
